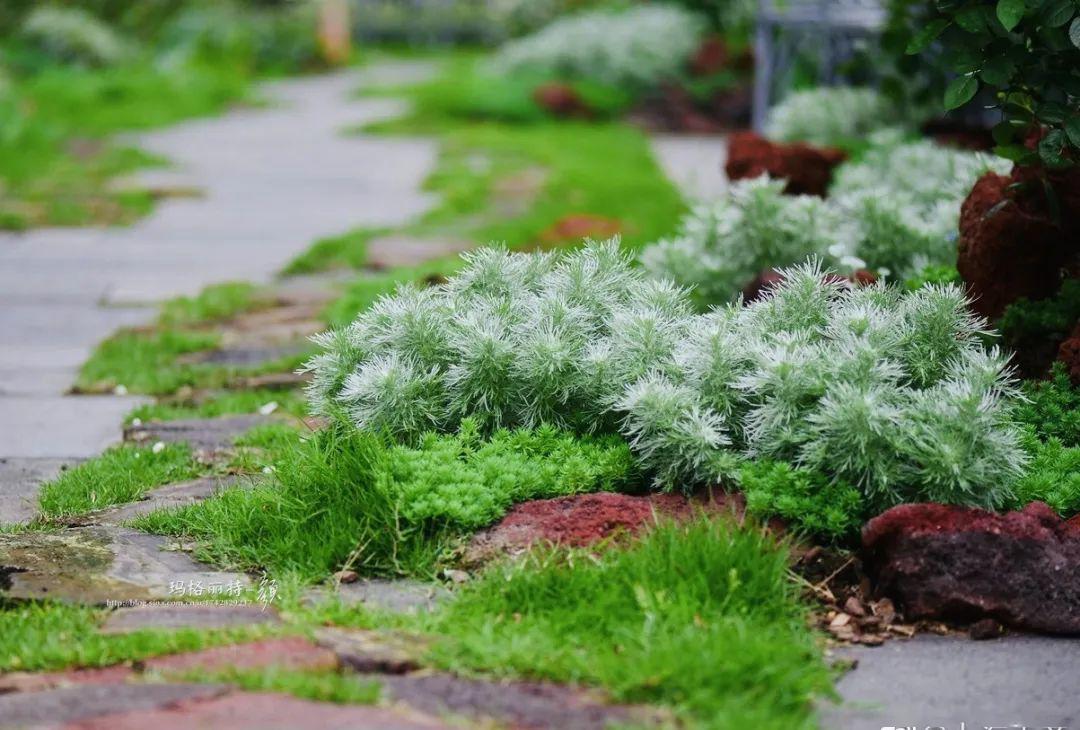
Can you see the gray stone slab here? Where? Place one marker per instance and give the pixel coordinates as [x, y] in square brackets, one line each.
[399, 596]
[935, 681]
[395, 250]
[694, 163]
[167, 497]
[63, 427]
[100, 565]
[56, 707]
[211, 434]
[186, 616]
[20, 481]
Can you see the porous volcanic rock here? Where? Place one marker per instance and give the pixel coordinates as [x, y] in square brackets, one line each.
[957, 563]
[1011, 244]
[1069, 355]
[585, 519]
[807, 169]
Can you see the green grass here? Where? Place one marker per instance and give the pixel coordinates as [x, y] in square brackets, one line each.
[701, 618]
[226, 403]
[55, 159]
[320, 686]
[214, 303]
[40, 636]
[121, 474]
[347, 251]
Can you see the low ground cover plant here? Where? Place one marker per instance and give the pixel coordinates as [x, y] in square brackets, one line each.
[890, 391]
[833, 116]
[896, 211]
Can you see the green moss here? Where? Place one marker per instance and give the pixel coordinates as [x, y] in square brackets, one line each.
[121, 474]
[1053, 476]
[807, 500]
[1052, 407]
[1028, 325]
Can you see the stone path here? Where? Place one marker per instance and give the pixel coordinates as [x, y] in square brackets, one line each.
[694, 163]
[273, 180]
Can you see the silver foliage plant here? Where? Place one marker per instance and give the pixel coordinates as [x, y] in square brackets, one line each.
[890, 390]
[635, 48]
[831, 115]
[896, 211]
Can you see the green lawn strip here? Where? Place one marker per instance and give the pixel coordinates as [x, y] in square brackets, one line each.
[145, 360]
[225, 403]
[43, 636]
[55, 160]
[122, 474]
[346, 251]
[321, 686]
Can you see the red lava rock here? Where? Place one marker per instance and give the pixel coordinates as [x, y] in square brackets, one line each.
[239, 710]
[577, 227]
[808, 170]
[1011, 246]
[1069, 355]
[585, 519]
[561, 100]
[711, 57]
[956, 563]
[986, 629]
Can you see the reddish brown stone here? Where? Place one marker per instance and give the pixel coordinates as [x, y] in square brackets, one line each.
[711, 57]
[1069, 355]
[955, 563]
[561, 100]
[576, 227]
[808, 170]
[239, 710]
[586, 519]
[291, 652]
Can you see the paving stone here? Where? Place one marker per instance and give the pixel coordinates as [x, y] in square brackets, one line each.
[61, 427]
[99, 565]
[694, 163]
[398, 596]
[522, 705]
[938, 681]
[209, 434]
[372, 652]
[56, 707]
[263, 711]
[169, 496]
[20, 481]
[186, 616]
[384, 252]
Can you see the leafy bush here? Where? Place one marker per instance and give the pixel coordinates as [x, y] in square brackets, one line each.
[1028, 325]
[805, 499]
[830, 115]
[469, 482]
[1052, 407]
[635, 48]
[1026, 53]
[73, 35]
[889, 390]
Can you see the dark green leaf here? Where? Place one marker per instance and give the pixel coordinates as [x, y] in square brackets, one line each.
[1051, 112]
[927, 35]
[1010, 12]
[971, 19]
[1074, 32]
[1004, 132]
[1072, 129]
[960, 91]
[998, 70]
[1014, 152]
[1050, 148]
[1058, 12]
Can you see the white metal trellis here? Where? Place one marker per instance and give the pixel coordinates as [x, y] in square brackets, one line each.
[829, 31]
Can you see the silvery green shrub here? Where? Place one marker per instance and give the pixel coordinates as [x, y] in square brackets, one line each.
[831, 115]
[74, 35]
[634, 48]
[887, 390]
[895, 211]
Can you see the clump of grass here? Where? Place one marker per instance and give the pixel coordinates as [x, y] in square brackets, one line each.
[212, 304]
[121, 474]
[347, 251]
[699, 617]
[39, 636]
[145, 362]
